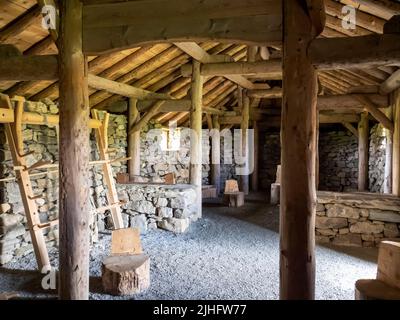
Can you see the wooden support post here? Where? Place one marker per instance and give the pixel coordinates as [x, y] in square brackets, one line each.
[387, 181]
[196, 137]
[74, 156]
[396, 143]
[244, 126]
[317, 151]
[254, 175]
[298, 194]
[133, 141]
[363, 151]
[216, 154]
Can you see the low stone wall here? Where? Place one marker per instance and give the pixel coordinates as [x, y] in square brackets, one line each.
[152, 206]
[357, 219]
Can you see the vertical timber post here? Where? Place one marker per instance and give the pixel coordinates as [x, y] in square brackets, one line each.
[133, 141]
[244, 126]
[254, 175]
[74, 156]
[298, 136]
[216, 154]
[396, 143]
[387, 182]
[196, 136]
[363, 151]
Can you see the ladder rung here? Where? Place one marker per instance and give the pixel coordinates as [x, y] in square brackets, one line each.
[46, 224]
[111, 206]
[35, 197]
[38, 165]
[26, 154]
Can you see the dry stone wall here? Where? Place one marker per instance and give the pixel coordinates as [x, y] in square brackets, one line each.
[357, 219]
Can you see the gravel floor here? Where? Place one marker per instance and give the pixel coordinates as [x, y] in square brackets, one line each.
[229, 254]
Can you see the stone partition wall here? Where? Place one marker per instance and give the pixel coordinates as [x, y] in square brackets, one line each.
[151, 206]
[377, 149]
[357, 219]
[270, 158]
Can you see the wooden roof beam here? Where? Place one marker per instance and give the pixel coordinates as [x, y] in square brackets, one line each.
[390, 84]
[375, 112]
[361, 52]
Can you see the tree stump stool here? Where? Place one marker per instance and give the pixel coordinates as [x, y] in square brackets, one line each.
[234, 199]
[126, 274]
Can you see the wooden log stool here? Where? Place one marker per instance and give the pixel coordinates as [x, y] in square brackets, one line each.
[127, 270]
[232, 196]
[386, 286]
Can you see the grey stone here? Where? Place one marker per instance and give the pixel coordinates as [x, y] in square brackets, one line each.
[386, 216]
[14, 232]
[143, 206]
[175, 225]
[5, 258]
[8, 220]
[391, 230]
[160, 202]
[139, 221]
[327, 223]
[366, 228]
[342, 211]
[165, 212]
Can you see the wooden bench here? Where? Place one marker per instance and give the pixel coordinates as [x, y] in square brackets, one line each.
[209, 191]
[386, 286]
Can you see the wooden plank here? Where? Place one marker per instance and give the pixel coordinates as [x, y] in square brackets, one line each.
[216, 154]
[389, 263]
[363, 152]
[27, 68]
[198, 53]
[298, 193]
[133, 141]
[196, 138]
[390, 84]
[123, 89]
[396, 143]
[375, 112]
[271, 69]
[350, 127]
[74, 212]
[350, 52]
[112, 195]
[111, 27]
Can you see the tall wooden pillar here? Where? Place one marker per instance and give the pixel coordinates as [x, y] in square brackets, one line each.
[317, 152]
[244, 126]
[216, 154]
[363, 152]
[298, 136]
[196, 139]
[254, 175]
[387, 181]
[74, 156]
[396, 143]
[133, 141]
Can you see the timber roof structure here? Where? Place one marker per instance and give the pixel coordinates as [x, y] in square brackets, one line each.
[157, 67]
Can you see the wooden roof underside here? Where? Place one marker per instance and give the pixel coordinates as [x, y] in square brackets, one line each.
[157, 67]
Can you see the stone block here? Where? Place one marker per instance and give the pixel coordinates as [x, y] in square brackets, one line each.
[327, 223]
[139, 221]
[391, 230]
[386, 216]
[175, 225]
[342, 211]
[4, 207]
[14, 232]
[9, 220]
[322, 239]
[344, 231]
[126, 275]
[350, 239]
[366, 228]
[327, 232]
[165, 212]
[5, 258]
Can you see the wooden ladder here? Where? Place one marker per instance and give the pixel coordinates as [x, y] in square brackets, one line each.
[22, 171]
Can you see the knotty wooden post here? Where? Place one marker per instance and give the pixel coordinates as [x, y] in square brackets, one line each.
[363, 152]
[396, 143]
[298, 136]
[254, 175]
[196, 137]
[244, 126]
[74, 156]
[216, 154]
[133, 141]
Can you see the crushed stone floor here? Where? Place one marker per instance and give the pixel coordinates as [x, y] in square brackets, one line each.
[229, 254]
